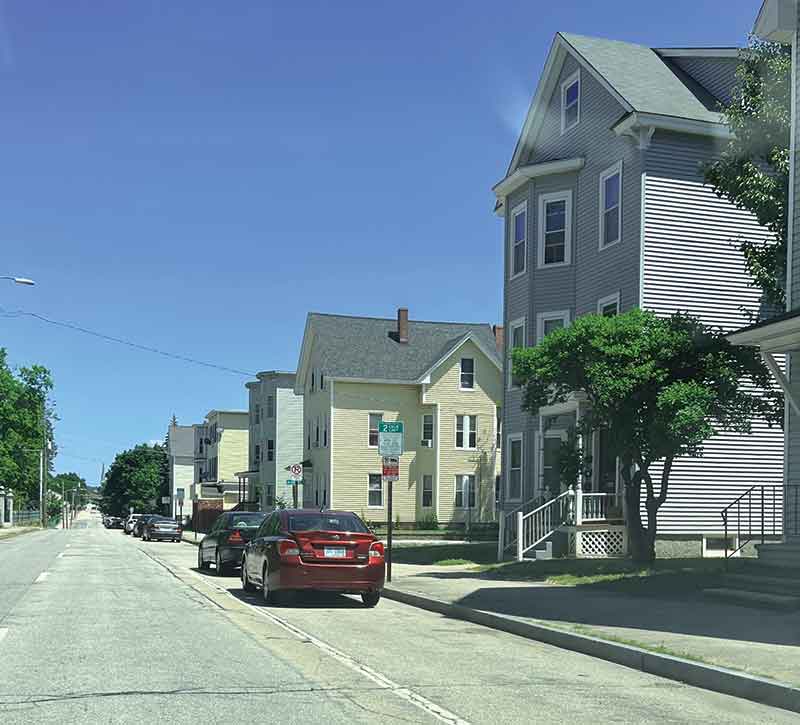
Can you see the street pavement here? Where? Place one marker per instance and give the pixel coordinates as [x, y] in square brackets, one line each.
[98, 627]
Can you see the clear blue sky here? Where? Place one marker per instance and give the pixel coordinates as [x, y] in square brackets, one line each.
[197, 176]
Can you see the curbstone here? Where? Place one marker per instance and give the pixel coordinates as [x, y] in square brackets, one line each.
[708, 677]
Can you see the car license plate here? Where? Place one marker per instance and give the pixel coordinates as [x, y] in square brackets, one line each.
[335, 553]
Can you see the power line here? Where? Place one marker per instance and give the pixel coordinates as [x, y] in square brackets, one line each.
[121, 341]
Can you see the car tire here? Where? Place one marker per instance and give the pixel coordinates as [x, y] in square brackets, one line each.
[270, 596]
[201, 564]
[221, 568]
[247, 585]
[370, 599]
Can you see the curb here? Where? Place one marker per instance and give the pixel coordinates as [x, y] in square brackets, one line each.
[708, 677]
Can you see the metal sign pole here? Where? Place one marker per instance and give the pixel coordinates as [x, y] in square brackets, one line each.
[389, 533]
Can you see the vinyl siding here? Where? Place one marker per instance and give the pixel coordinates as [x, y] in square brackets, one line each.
[717, 75]
[288, 439]
[316, 404]
[691, 263]
[234, 446]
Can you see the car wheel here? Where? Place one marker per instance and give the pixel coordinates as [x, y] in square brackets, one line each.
[370, 599]
[247, 585]
[202, 565]
[270, 598]
[220, 565]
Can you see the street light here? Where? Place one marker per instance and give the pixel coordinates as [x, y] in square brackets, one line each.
[20, 280]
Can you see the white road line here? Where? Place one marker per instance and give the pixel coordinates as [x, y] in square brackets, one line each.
[3, 633]
[61, 555]
[68, 545]
[39, 579]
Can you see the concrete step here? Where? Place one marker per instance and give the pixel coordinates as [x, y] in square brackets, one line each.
[764, 582]
[763, 600]
[780, 559]
[546, 552]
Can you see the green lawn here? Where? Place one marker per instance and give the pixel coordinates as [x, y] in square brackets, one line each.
[445, 554]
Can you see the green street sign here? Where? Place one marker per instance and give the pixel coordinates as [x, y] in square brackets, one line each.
[390, 438]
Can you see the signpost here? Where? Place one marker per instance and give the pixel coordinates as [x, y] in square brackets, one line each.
[180, 505]
[296, 475]
[390, 446]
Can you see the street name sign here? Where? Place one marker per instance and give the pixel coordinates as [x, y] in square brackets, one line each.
[165, 499]
[390, 438]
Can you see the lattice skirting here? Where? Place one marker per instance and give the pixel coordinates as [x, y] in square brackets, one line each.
[611, 541]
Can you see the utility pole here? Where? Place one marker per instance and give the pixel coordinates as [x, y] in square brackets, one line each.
[41, 487]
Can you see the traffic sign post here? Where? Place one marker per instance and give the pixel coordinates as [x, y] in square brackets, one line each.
[390, 446]
[296, 475]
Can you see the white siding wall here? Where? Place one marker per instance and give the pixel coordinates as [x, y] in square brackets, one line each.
[690, 263]
[289, 437]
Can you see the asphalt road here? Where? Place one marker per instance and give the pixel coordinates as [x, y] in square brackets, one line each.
[121, 631]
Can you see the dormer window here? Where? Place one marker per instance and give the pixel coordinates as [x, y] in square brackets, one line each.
[570, 102]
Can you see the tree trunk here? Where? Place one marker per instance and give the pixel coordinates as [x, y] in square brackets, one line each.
[638, 539]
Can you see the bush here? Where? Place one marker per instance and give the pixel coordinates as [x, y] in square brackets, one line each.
[429, 522]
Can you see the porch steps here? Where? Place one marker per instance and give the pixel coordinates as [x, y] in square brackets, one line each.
[750, 598]
[773, 583]
[546, 553]
[784, 556]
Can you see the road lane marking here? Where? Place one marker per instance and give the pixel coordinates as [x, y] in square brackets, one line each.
[3, 633]
[61, 555]
[42, 577]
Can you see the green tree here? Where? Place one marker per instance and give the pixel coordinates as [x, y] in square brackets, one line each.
[67, 482]
[753, 170]
[135, 478]
[659, 386]
[23, 397]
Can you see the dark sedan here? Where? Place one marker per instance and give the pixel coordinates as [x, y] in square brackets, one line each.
[161, 528]
[140, 522]
[330, 551]
[225, 542]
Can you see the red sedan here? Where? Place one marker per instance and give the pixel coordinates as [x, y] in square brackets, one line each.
[331, 551]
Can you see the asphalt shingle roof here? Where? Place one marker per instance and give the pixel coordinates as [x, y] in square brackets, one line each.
[648, 82]
[366, 347]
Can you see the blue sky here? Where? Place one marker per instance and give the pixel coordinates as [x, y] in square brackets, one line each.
[196, 176]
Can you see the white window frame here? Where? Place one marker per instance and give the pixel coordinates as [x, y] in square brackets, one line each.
[433, 428]
[422, 492]
[474, 374]
[607, 300]
[459, 486]
[467, 432]
[608, 173]
[514, 325]
[369, 415]
[544, 199]
[574, 78]
[510, 440]
[543, 317]
[515, 212]
[380, 476]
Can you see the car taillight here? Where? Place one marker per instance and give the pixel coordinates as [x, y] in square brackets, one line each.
[288, 549]
[376, 552]
[235, 538]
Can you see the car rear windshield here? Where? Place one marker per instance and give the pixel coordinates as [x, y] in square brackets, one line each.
[246, 521]
[326, 522]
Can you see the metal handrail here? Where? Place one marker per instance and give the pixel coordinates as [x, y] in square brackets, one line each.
[763, 526]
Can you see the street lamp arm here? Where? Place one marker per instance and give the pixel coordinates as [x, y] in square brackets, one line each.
[19, 280]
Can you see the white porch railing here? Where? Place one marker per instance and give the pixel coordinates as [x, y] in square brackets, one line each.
[599, 506]
[507, 534]
[537, 525]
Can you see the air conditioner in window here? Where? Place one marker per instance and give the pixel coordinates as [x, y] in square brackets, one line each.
[426, 443]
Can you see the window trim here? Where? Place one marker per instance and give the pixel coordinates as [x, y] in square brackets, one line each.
[380, 478]
[516, 211]
[565, 84]
[459, 485]
[514, 325]
[270, 406]
[607, 174]
[369, 415]
[433, 428]
[607, 300]
[422, 492]
[510, 439]
[544, 199]
[474, 374]
[270, 450]
[466, 431]
[543, 317]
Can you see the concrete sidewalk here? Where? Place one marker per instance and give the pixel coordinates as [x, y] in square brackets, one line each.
[753, 641]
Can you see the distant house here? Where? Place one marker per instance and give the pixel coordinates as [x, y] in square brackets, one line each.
[276, 437]
[606, 209]
[443, 380]
[180, 455]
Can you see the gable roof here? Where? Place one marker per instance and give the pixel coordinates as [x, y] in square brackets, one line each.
[643, 80]
[366, 348]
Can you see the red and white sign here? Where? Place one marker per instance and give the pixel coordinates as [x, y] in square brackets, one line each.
[391, 468]
[296, 469]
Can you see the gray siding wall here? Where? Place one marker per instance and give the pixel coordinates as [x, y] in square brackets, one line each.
[717, 75]
[593, 273]
[690, 262]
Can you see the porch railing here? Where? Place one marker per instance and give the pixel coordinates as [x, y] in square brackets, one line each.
[759, 512]
[600, 506]
[507, 533]
[537, 525]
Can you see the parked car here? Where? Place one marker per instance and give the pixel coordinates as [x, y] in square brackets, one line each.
[314, 550]
[137, 526]
[225, 542]
[160, 528]
[127, 528]
[112, 522]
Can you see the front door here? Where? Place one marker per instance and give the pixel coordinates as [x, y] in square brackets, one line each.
[550, 476]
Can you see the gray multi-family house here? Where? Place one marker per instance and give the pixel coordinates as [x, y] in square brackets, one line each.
[606, 209]
[276, 438]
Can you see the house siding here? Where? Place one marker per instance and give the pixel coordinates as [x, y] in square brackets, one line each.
[288, 427]
[691, 263]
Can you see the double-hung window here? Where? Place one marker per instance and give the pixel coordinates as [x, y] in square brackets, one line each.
[316, 435]
[466, 431]
[571, 102]
[514, 479]
[515, 339]
[270, 450]
[555, 229]
[465, 491]
[257, 454]
[270, 406]
[608, 306]
[467, 373]
[611, 205]
[519, 239]
[498, 427]
[427, 428]
[257, 415]
[546, 322]
[427, 491]
[375, 491]
[374, 421]
[325, 432]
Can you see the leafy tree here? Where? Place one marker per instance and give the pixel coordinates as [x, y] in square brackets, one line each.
[753, 170]
[135, 478]
[23, 396]
[67, 482]
[659, 386]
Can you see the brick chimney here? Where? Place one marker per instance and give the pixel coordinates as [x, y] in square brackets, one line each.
[402, 324]
[499, 337]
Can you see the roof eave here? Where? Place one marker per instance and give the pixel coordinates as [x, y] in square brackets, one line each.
[511, 183]
[776, 21]
[774, 336]
[636, 120]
